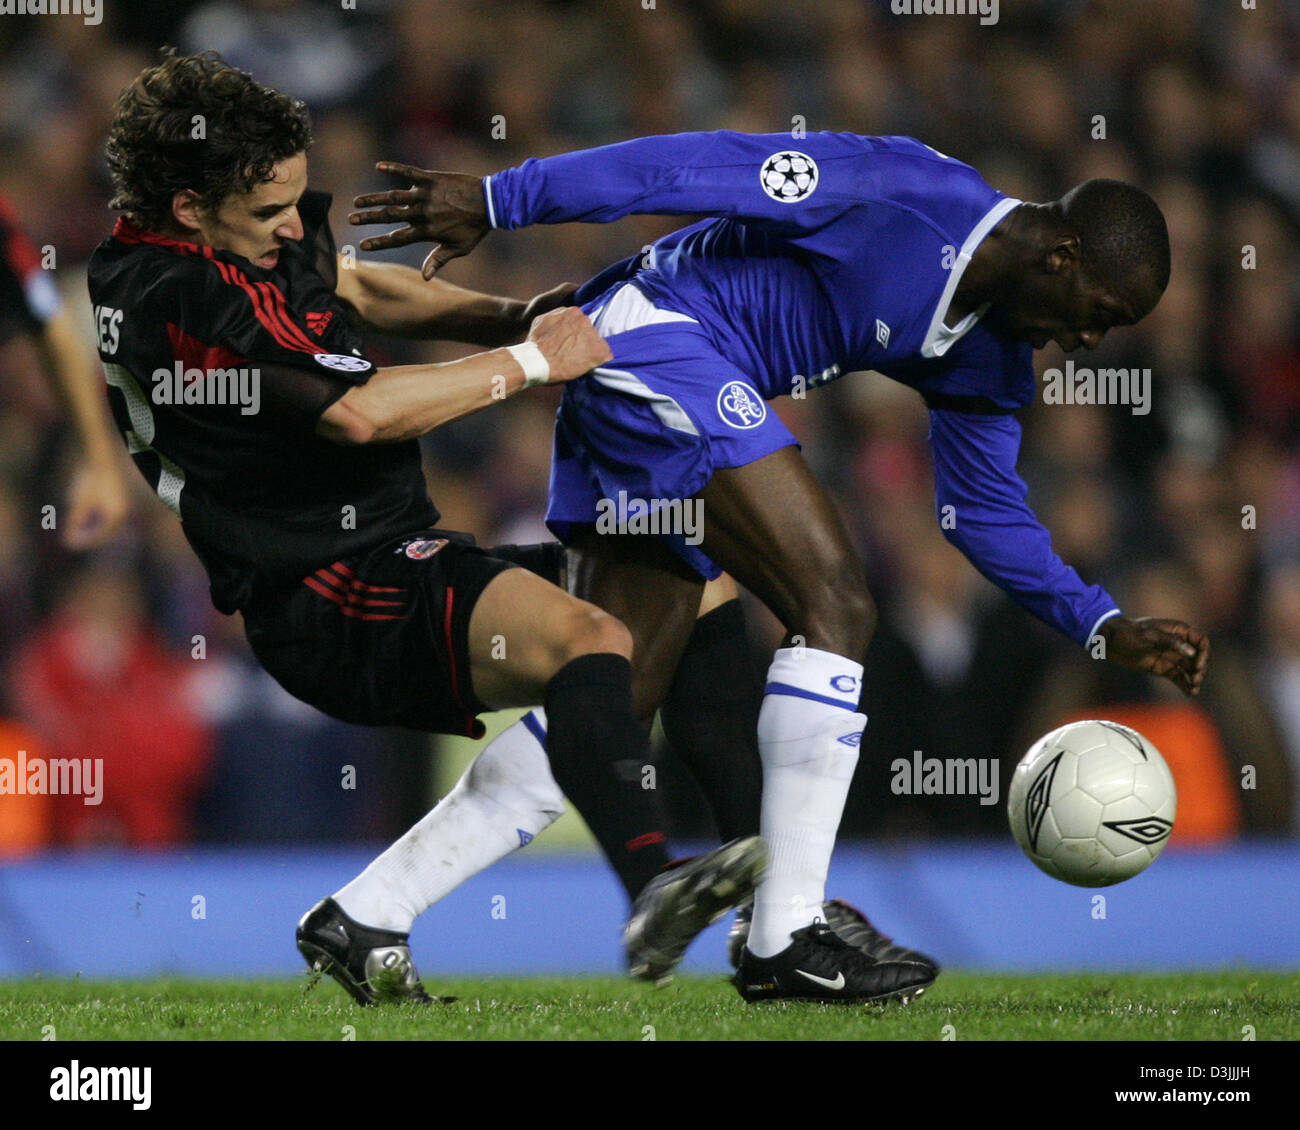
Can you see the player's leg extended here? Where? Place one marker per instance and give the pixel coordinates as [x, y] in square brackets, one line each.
[530, 642]
[508, 794]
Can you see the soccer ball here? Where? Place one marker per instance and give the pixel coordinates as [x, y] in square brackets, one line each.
[789, 176]
[1092, 803]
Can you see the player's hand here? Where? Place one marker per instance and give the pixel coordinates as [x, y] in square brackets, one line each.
[446, 209]
[98, 503]
[1168, 648]
[570, 344]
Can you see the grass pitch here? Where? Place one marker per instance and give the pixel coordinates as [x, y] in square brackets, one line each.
[1223, 1005]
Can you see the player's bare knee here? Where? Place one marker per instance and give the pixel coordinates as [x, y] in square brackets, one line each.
[591, 631]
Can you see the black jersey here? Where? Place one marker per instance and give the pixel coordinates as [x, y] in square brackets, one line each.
[219, 371]
[28, 296]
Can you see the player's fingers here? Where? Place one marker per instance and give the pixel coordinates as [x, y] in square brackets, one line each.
[1173, 638]
[392, 214]
[399, 238]
[438, 258]
[412, 172]
[1190, 675]
[1203, 658]
[392, 196]
[1199, 665]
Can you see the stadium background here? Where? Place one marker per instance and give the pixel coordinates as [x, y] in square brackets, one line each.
[218, 784]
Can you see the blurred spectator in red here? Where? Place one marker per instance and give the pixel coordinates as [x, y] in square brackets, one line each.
[95, 682]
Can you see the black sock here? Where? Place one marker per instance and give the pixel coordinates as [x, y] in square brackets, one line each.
[598, 754]
[711, 719]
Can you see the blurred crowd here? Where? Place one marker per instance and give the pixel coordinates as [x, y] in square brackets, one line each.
[1191, 510]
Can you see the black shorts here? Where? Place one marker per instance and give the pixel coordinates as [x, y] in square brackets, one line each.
[382, 639]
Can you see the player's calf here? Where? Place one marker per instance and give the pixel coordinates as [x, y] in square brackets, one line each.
[836, 612]
[531, 642]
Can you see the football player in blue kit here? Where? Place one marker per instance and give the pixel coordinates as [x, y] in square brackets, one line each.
[828, 255]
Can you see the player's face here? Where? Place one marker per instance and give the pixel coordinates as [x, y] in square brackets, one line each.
[255, 224]
[1063, 304]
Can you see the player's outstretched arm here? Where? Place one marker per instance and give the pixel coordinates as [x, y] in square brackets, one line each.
[98, 498]
[723, 173]
[983, 512]
[404, 402]
[393, 299]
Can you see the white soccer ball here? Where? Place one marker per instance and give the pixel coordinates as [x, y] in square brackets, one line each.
[1092, 803]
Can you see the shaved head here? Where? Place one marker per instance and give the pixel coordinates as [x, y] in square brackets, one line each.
[1123, 240]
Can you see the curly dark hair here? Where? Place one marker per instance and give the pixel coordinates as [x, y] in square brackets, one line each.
[196, 122]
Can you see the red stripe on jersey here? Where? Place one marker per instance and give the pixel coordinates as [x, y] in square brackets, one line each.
[127, 232]
[232, 277]
[263, 308]
[268, 300]
[191, 352]
[280, 309]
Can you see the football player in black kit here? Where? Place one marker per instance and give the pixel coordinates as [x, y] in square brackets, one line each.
[231, 340]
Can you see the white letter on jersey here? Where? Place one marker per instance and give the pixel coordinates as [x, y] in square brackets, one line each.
[108, 324]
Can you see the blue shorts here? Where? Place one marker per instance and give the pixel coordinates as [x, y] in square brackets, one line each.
[654, 423]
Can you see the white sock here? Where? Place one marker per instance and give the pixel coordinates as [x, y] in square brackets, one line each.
[808, 736]
[505, 798]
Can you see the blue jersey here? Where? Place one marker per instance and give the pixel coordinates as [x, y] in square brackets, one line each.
[826, 255]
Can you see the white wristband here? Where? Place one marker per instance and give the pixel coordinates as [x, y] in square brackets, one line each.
[537, 370]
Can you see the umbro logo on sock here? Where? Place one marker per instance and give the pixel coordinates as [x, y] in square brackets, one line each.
[524, 837]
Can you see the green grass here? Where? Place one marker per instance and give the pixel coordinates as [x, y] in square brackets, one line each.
[1183, 1006]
